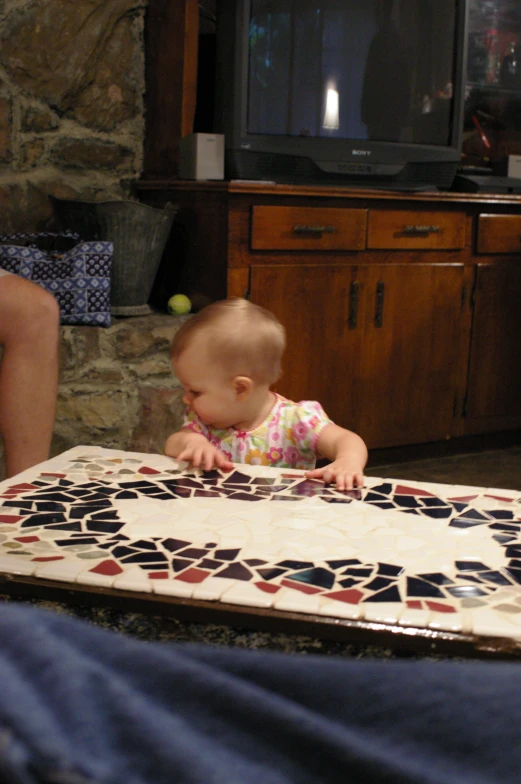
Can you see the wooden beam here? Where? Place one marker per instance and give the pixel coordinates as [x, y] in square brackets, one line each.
[171, 41]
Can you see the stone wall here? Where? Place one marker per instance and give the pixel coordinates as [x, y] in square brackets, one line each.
[117, 388]
[71, 104]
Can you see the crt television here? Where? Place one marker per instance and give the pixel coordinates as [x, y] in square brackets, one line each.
[363, 92]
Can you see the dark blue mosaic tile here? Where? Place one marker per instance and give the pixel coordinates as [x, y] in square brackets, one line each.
[139, 558]
[193, 552]
[458, 523]
[127, 495]
[385, 489]
[390, 570]
[45, 518]
[514, 529]
[212, 474]
[473, 514]
[437, 578]
[378, 582]
[79, 512]
[438, 512]
[318, 576]
[470, 578]
[271, 574]
[409, 501]
[236, 477]
[337, 564]
[291, 564]
[106, 515]
[50, 506]
[336, 500]
[227, 555]
[205, 494]
[240, 488]
[209, 545]
[433, 502]
[292, 498]
[471, 566]
[101, 527]
[141, 484]
[417, 587]
[384, 504]
[144, 544]
[348, 582]
[466, 591]
[120, 551]
[262, 481]
[515, 563]
[209, 563]
[495, 577]
[69, 542]
[254, 561]
[235, 571]
[501, 514]
[174, 544]
[60, 526]
[514, 573]
[504, 538]
[513, 551]
[363, 572]
[459, 507]
[18, 504]
[372, 496]
[49, 497]
[391, 594]
[179, 564]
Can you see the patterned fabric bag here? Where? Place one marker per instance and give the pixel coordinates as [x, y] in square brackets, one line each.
[79, 277]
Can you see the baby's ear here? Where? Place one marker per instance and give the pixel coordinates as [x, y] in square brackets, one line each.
[242, 386]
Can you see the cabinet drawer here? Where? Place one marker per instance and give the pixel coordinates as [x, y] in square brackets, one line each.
[411, 230]
[499, 234]
[307, 228]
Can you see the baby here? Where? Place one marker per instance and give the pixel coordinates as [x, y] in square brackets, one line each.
[227, 357]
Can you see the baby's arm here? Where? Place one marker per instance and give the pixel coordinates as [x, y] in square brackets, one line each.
[197, 450]
[348, 455]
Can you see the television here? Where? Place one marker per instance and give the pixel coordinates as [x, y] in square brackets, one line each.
[345, 92]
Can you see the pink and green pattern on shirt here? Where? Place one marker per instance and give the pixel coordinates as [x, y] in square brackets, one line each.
[287, 438]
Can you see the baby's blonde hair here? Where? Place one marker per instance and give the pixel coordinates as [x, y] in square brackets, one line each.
[245, 339]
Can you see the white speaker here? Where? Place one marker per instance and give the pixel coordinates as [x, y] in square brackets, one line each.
[201, 157]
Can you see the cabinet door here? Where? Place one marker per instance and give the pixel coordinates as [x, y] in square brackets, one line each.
[318, 307]
[405, 387]
[494, 386]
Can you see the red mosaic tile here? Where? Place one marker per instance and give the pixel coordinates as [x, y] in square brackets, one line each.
[267, 587]
[193, 576]
[413, 604]
[302, 587]
[49, 558]
[147, 470]
[108, 568]
[349, 595]
[438, 607]
[26, 539]
[404, 490]
[10, 519]
[159, 575]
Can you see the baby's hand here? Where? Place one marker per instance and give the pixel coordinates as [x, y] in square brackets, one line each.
[343, 472]
[205, 456]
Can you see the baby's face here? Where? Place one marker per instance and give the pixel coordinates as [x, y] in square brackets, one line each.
[206, 390]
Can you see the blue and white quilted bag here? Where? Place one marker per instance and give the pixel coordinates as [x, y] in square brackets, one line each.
[79, 278]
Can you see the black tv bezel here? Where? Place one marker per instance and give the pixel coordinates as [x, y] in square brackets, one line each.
[316, 159]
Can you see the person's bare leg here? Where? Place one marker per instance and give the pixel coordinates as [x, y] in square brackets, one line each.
[29, 334]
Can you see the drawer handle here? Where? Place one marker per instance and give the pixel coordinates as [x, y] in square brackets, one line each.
[302, 228]
[379, 313]
[418, 229]
[353, 304]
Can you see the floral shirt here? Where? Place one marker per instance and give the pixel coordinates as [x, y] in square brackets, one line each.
[287, 438]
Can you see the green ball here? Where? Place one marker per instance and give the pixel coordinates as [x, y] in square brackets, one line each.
[179, 304]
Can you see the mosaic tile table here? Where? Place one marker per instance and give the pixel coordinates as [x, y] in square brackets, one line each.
[424, 565]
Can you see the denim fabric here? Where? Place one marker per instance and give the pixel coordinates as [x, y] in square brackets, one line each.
[79, 704]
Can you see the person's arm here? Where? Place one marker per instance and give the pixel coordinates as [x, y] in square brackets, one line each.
[197, 450]
[348, 455]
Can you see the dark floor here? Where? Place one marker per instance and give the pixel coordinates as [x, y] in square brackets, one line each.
[500, 468]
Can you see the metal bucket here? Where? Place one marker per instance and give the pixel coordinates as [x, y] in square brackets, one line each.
[139, 233]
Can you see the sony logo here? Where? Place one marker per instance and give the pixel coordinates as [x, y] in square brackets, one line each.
[361, 152]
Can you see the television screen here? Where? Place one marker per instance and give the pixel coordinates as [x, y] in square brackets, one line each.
[350, 87]
[366, 69]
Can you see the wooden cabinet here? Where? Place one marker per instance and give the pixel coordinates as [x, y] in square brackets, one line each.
[402, 311]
